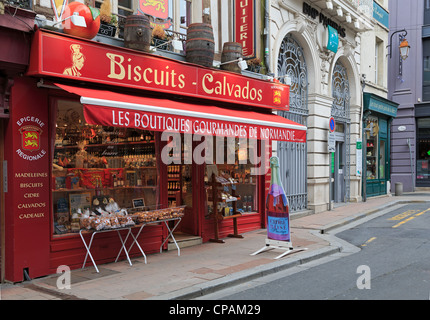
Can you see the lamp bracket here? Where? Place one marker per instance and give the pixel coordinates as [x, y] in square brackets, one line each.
[405, 33]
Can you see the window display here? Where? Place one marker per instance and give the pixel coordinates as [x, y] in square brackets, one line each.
[99, 170]
[238, 195]
[423, 149]
[372, 161]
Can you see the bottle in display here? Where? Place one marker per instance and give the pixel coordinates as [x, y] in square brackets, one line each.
[277, 208]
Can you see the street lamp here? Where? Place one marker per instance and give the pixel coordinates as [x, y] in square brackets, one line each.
[404, 45]
[404, 49]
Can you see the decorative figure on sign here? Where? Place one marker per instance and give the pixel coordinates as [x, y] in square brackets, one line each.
[78, 60]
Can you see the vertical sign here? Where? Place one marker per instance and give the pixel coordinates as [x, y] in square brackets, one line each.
[359, 157]
[333, 39]
[28, 200]
[331, 137]
[244, 26]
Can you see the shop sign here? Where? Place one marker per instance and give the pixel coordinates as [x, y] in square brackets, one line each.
[32, 203]
[68, 57]
[144, 120]
[157, 9]
[331, 135]
[244, 26]
[326, 21]
[382, 108]
[333, 39]
[31, 131]
[359, 157]
[378, 104]
[380, 15]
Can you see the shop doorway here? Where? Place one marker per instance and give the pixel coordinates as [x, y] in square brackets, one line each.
[339, 173]
[185, 183]
[339, 165]
[182, 178]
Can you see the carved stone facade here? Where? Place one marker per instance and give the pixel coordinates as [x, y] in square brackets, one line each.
[333, 89]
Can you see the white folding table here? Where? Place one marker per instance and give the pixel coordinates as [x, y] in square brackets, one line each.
[124, 240]
[178, 220]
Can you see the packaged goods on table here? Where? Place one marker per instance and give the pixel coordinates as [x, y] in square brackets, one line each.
[160, 214]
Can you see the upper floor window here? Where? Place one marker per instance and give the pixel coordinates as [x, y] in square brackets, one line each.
[426, 12]
[426, 69]
[176, 13]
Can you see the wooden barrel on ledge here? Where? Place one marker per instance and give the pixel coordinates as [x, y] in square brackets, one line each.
[137, 33]
[231, 51]
[200, 44]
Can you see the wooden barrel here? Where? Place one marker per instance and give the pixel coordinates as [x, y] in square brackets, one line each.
[231, 51]
[137, 33]
[200, 44]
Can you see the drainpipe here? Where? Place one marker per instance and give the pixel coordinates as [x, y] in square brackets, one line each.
[363, 132]
[408, 141]
[267, 33]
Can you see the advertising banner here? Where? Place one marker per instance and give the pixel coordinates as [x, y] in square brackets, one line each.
[72, 58]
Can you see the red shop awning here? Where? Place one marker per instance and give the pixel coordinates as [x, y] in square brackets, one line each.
[109, 108]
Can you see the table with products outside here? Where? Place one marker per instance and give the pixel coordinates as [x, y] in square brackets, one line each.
[177, 218]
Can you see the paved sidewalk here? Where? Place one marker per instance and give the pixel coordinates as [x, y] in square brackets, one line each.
[205, 268]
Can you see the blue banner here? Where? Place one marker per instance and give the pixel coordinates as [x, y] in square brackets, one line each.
[380, 15]
[333, 39]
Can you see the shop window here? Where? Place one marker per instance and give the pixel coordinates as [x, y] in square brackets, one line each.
[423, 149]
[372, 161]
[97, 169]
[184, 14]
[379, 61]
[234, 161]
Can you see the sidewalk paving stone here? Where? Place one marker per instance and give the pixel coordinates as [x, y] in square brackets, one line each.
[206, 267]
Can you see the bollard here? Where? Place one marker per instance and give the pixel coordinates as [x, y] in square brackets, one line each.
[398, 189]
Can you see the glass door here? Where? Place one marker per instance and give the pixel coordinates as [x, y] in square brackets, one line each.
[181, 178]
[383, 165]
[339, 174]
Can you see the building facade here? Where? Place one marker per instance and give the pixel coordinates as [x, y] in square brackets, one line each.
[95, 133]
[321, 49]
[408, 86]
[327, 81]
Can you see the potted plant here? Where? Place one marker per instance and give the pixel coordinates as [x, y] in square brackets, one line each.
[108, 21]
[254, 65]
[159, 37]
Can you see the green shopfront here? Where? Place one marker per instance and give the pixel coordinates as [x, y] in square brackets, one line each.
[377, 117]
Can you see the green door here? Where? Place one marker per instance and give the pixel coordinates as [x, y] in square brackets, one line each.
[383, 166]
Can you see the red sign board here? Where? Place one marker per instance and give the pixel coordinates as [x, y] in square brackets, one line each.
[244, 26]
[84, 60]
[155, 8]
[28, 194]
[139, 119]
